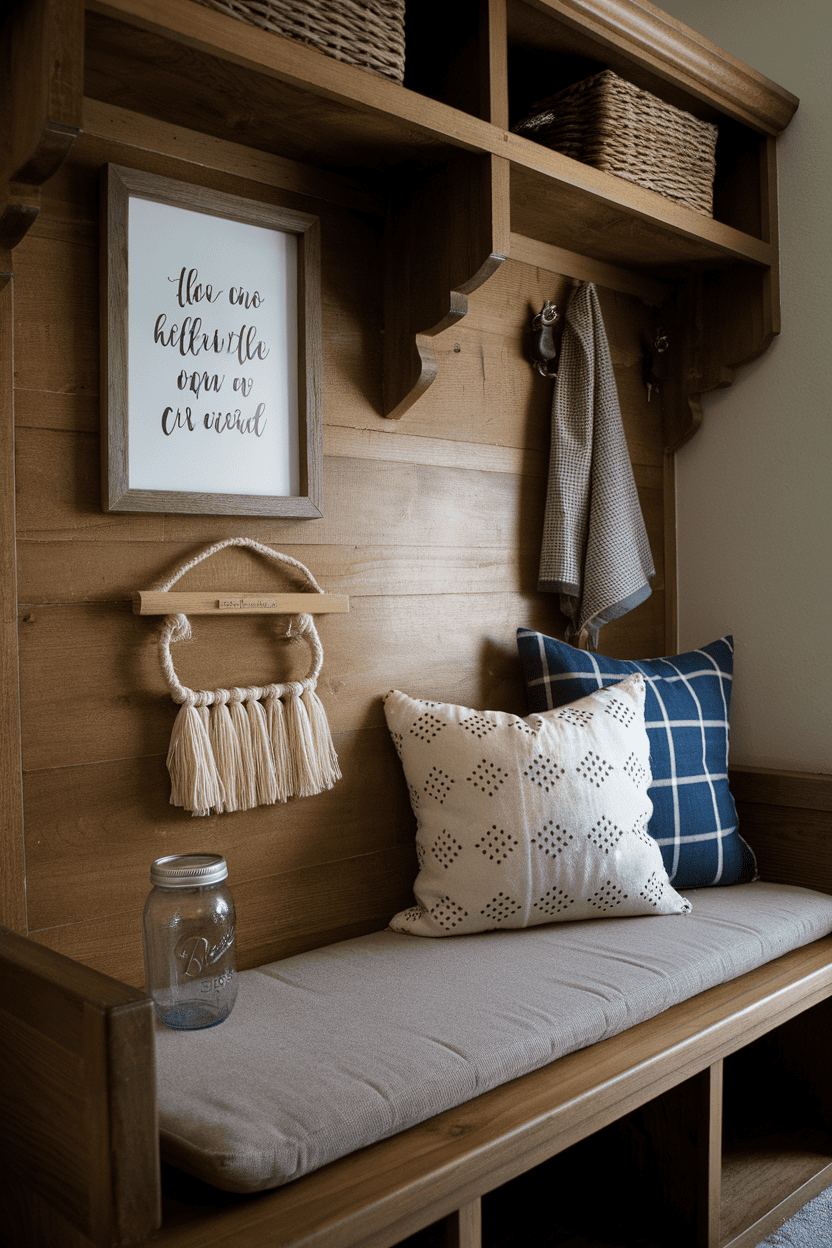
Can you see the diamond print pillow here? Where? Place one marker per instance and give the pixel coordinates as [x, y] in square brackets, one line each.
[529, 821]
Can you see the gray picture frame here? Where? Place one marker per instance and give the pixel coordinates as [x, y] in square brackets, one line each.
[118, 185]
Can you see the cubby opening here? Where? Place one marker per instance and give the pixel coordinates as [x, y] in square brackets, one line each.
[545, 56]
[721, 1159]
[445, 54]
[777, 1121]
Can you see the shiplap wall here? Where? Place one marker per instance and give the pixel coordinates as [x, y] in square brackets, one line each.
[432, 526]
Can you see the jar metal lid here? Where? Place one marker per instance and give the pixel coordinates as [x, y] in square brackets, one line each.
[188, 870]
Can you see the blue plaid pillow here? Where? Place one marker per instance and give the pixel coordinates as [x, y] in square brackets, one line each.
[686, 711]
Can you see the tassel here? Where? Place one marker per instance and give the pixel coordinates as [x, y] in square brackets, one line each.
[226, 749]
[327, 759]
[280, 749]
[306, 780]
[195, 784]
[246, 778]
[261, 750]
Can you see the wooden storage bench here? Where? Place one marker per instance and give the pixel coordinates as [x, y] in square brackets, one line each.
[687, 1095]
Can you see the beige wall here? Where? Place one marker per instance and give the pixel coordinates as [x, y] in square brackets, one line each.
[754, 489]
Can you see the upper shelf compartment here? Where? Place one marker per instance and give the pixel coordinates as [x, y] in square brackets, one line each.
[200, 68]
[552, 44]
[461, 190]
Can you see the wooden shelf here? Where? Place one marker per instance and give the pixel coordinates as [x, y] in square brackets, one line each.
[319, 110]
[455, 183]
[559, 201]
[459, 184]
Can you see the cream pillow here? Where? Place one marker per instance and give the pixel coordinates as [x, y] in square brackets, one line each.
[529, 821]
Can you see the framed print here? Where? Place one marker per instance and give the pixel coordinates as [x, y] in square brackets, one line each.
[211, 351]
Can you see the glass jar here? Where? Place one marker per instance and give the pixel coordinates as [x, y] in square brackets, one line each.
[188, 935]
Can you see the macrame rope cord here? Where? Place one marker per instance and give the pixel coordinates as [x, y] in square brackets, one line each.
[233, 749]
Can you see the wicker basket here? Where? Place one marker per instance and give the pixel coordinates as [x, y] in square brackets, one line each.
[608, 123]
[369, 33]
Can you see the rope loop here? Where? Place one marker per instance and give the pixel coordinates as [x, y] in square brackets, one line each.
[176, 628]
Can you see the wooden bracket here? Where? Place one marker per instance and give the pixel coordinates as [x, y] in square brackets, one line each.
[41, 101]
[448, 232]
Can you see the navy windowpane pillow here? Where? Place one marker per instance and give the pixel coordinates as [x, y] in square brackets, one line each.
[686, 710]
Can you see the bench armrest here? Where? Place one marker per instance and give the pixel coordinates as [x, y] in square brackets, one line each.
[80, 1145]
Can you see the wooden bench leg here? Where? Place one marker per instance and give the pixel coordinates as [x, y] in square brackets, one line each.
[463, 1227]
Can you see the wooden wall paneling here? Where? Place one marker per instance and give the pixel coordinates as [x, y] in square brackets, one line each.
[62, 495]
[283, 914]
[302, 873]
[452, 507]
[12, 864]
[41, 56]
[40, 409]
[93, 829]
[96, 571]
[92, 688]
[433, 531]
[116, 818]
[56, 337]
[498, 405]
[787, 817]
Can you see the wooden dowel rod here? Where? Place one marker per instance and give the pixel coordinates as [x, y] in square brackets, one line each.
[229, 602]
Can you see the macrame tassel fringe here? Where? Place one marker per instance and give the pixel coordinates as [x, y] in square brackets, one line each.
[306, 779]
[195, 783]
[226, 747]
[261, 751]
[280, 747]
[327, 759]
[247, 774]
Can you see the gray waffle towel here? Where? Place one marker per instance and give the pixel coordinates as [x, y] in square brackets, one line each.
[595, 551]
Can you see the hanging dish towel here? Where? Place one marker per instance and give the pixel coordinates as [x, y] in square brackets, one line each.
[595, 551]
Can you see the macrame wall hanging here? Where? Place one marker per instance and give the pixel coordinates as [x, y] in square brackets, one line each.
[233, 749]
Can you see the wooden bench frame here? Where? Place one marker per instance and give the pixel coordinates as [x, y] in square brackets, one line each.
[80, 1140]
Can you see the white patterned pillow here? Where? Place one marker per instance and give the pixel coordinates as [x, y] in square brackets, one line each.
[528, 821]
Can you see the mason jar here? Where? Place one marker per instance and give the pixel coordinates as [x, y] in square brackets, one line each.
[188, 936]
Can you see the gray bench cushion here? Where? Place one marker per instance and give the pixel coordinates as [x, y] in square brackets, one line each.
[334, 1049]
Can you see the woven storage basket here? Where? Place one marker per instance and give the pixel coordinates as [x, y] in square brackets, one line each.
[608, 123]
[369, 33]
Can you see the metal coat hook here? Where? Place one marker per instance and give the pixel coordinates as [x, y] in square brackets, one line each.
[655, 363]
[543, 350]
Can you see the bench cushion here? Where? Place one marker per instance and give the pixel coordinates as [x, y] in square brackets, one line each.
[336, 1048]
